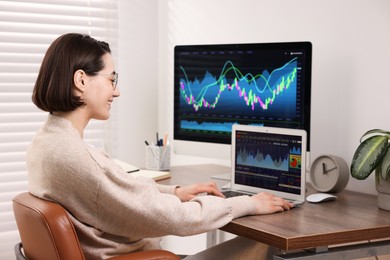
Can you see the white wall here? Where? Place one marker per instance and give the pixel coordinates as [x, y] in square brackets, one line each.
[350, 63]
[137, 66]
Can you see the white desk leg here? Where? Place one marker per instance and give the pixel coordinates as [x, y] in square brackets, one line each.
[211, 238]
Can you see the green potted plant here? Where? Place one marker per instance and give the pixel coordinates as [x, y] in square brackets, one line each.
[373, 154]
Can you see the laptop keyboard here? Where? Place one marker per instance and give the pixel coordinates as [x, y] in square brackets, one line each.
[232, 193]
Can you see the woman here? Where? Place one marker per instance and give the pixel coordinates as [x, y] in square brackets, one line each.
[113, 212]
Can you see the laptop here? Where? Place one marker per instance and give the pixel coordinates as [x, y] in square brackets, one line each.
[269, 159]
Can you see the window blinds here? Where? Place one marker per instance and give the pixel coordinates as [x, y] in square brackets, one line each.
[26, 30]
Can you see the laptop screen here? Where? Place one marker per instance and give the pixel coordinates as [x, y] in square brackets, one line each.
[271, 161]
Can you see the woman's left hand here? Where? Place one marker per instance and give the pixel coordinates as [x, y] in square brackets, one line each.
[187, 193]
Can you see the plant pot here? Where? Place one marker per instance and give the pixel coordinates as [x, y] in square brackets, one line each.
[383, 188]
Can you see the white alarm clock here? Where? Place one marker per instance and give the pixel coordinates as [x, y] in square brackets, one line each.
[329, 173]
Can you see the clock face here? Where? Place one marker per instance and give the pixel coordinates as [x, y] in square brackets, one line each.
[329, 173]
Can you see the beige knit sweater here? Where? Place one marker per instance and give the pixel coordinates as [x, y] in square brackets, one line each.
[113, 212]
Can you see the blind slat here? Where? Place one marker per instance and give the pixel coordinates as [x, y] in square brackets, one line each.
[15, 98]
[25, 58]
[12, 186]
[16, 18]
[15, 88]
[51, 29]
[10, 68]
[17, 107]
[22, 127]
[38, 42]
[13, 176]
[12, 167]
[9, 117]
[12, 157]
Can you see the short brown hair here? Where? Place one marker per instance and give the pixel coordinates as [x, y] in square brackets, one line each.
[53, 90]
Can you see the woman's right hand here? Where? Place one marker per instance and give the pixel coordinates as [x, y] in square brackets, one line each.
[267, 203]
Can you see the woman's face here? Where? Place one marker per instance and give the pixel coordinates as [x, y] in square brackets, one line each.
[100, 91]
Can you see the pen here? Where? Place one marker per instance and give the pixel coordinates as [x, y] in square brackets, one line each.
[136, 170]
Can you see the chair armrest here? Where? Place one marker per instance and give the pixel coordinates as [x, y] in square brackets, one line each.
[148, 255]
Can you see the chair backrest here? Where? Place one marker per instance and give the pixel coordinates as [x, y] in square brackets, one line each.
[45, 229]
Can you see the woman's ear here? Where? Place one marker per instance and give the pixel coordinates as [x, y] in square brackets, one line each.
[79, 78]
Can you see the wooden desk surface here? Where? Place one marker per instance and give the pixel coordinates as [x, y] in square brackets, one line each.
[351, 217]
[190, 174]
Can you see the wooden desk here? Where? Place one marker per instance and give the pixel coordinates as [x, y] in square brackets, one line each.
[352, 217]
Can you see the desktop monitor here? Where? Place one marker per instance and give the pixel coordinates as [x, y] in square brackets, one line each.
[216, 86]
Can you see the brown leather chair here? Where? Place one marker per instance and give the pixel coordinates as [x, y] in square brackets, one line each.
[47, 232]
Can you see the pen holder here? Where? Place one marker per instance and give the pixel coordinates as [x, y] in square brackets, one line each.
[158, 157]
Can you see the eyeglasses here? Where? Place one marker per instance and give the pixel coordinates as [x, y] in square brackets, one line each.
[113, 78]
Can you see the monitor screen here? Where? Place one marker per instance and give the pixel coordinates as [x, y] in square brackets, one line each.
[263, 84]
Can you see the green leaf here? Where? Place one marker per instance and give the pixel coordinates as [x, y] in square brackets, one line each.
[368, 156]
[385, 165]
[375, 131]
